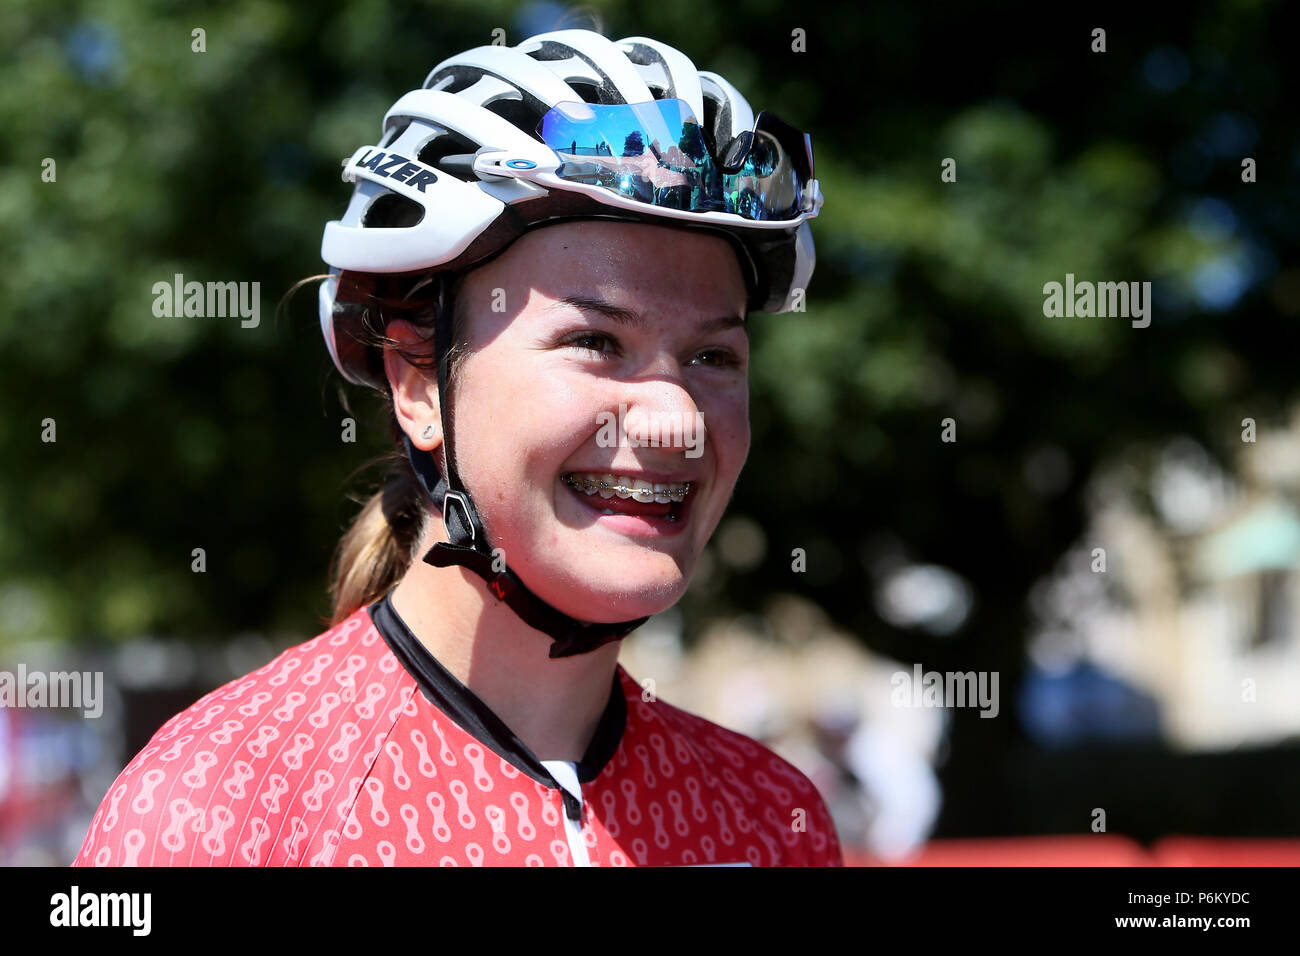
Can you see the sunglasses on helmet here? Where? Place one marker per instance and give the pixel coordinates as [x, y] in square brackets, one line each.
[657, 153]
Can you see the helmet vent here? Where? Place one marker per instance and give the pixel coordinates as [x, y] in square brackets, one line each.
[590, 92]
[394, 132]
[515, 112]
[652, 70]
[448, 144]
[550, 50]
[710, 121]
[454, 79]
[391, 211]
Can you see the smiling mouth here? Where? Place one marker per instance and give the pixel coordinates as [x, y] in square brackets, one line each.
[621, 496]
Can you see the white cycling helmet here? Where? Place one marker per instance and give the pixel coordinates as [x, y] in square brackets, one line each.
[462, 170]
[566, 125]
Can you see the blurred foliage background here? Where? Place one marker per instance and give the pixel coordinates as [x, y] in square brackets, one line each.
[176, 433]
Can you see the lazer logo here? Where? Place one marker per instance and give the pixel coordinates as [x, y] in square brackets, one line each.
[392, 166]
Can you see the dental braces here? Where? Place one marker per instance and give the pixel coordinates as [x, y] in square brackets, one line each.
[591, 485]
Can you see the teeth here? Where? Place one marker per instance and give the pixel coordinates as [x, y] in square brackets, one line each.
[623, 486]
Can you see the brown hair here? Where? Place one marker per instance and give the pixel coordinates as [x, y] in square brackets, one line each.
[381, 542]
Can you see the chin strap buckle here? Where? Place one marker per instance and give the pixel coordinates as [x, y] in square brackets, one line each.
[457, 534]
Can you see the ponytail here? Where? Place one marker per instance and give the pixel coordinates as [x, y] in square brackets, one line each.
[382, 541]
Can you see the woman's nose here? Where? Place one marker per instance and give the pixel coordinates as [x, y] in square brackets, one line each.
[659, 411]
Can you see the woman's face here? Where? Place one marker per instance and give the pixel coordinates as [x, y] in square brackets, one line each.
[584, 337]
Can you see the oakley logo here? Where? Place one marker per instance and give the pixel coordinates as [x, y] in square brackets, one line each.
[392, 166]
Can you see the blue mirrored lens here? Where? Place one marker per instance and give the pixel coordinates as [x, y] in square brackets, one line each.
[657, 153]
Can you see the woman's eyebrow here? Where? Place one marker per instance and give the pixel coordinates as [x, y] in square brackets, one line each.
[638, 321]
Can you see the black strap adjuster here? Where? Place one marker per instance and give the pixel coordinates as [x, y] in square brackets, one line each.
[460, 499]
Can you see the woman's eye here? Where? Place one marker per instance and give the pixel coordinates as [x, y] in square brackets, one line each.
[719, 358]
[591, 342]
[606, 347]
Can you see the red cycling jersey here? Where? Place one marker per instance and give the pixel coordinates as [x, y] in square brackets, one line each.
[358, 748]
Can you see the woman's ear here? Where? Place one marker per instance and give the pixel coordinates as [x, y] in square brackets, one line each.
[414, 389]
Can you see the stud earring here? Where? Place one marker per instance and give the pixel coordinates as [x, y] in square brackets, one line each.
[428, 432]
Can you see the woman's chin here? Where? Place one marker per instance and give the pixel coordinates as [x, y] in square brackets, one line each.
[607, 599]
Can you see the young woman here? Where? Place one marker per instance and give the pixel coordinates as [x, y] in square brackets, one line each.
[545, 269]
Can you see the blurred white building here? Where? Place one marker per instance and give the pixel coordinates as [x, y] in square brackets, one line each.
[1198, 604]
